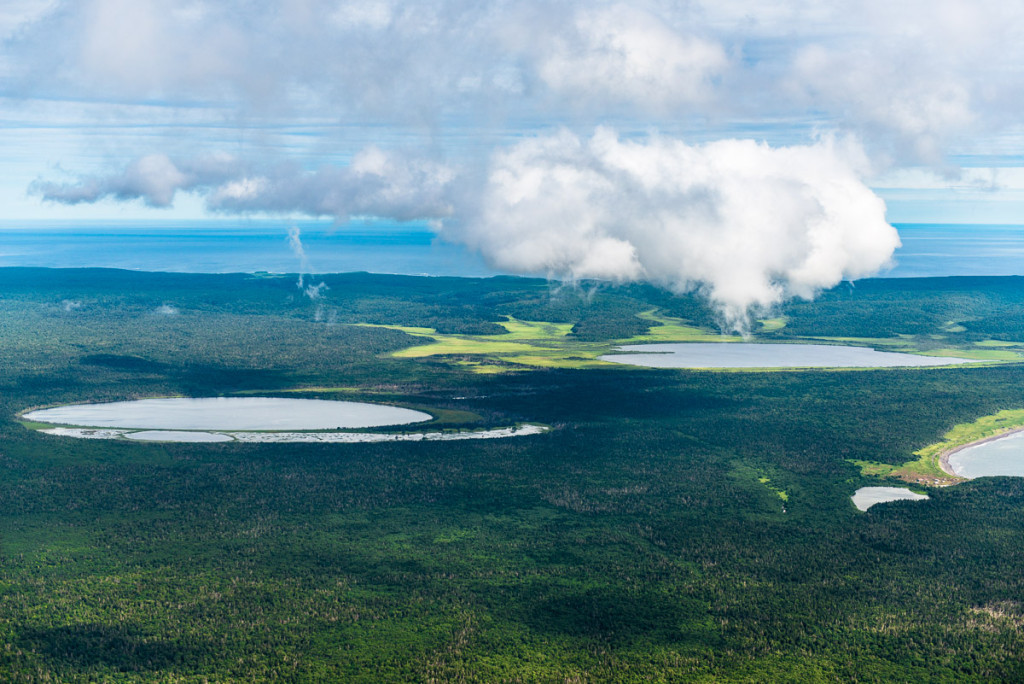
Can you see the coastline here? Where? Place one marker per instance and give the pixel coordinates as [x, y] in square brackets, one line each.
[943, 458]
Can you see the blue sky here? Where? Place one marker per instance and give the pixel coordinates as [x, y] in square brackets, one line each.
[758, 150]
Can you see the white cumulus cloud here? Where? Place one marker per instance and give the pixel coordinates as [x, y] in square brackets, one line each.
[746, 223]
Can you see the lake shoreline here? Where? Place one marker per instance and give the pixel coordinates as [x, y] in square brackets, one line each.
[943, 458]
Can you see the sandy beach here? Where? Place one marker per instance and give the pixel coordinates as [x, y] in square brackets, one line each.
[945, 455]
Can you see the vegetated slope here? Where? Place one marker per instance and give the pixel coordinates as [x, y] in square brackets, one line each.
[642, 539]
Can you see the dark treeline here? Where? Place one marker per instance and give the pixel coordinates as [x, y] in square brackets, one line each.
[642, 539]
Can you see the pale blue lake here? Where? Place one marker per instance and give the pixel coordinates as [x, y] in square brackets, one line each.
[229, 413]
[751, 355]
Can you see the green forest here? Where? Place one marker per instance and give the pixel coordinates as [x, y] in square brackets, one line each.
[672, 525]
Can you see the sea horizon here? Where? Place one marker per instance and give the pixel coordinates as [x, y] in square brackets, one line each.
[263, 245]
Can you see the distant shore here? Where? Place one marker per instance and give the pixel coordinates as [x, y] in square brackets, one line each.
[945, 455]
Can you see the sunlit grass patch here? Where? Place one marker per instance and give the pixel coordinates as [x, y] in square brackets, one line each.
[997, 343]
[772, 324]
[546, 344]
[891, 343]
[907, 344]
[767, 482]
[979, 354]
[486, 368]
[532, 330]
[873, 468]
[965, 433]
[670, 329]
[462, 345]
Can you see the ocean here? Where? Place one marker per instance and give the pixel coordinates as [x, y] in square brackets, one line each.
[226, 246]
[223, 246]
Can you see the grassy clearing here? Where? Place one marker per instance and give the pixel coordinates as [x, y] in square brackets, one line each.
[669, 329]
[890, 343]
[448, 416]
[978, 354]
[452, 344]
[926, 468]
[781, 493]
[873, 469]
[532, 330]
[485, 368]
[987, 350]
[31, 425]
[772, 324]
[528, 343]
[545, 344]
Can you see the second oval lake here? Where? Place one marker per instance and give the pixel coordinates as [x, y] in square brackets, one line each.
[229, 413]
[754, 355]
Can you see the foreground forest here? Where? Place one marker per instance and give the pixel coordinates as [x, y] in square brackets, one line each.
[673, 525]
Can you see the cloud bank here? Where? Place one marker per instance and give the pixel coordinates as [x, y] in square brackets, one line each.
[911, 79]
[375, 183]
[443, 110]
[745, 223]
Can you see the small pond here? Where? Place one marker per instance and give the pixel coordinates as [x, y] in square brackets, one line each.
[753, 355]
[229, 413]
[1002, 456]
[866, 497]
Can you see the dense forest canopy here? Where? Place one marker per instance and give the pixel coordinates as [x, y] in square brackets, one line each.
[672, 525]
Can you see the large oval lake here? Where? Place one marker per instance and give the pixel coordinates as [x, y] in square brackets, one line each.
[229, 413]
[753, 355]
[1003, 456]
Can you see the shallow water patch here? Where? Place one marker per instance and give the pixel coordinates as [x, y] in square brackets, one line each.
[297, 437]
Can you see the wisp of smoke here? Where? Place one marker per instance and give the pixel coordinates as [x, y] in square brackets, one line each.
[314, 292]
[295, 244]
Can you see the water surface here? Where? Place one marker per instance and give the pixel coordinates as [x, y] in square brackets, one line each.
[958, 249]
[752, 355]
[229, 413]
[1003, 456]
[233, 245]
[866, 497]
[237, 246]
